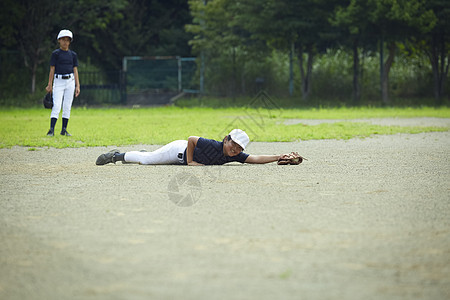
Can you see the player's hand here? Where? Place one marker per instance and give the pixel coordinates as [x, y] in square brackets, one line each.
[48, 88]
[77, 91]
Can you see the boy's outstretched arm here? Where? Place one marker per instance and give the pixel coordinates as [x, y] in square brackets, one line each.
[261, 159]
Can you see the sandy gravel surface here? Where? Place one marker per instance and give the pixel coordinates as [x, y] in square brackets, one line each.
[361, 219]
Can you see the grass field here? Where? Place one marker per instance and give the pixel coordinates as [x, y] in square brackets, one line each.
[126, 126]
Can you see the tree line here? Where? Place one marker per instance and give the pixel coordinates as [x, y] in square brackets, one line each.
[233, 39]
[307, 28]
[104, 32]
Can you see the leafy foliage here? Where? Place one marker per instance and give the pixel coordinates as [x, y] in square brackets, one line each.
[243, 46]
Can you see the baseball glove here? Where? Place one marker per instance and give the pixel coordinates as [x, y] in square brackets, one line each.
[48, 100]
[292, 158]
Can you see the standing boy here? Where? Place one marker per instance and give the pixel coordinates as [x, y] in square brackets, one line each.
[63, 81]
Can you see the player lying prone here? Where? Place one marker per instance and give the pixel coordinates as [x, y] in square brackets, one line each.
[198, 151]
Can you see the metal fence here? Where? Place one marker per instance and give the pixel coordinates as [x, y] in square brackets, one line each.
[99, 88]
[158, 79]
[142, 81]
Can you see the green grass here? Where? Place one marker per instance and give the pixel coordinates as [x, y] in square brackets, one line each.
[117, 127]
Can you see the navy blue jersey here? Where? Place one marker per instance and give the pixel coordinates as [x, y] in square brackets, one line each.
[64, 61]
[210, 152]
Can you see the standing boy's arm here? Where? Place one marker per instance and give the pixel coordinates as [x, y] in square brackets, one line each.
[77, 81]
[51, 75]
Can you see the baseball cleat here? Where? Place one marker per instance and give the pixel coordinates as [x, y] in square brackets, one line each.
[107, 158]
[65, 132]
[50, 133]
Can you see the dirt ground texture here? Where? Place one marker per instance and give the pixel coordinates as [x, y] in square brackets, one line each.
[361, 219]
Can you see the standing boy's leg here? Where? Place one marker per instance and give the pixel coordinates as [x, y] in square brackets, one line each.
[58, 93]
[67, 104]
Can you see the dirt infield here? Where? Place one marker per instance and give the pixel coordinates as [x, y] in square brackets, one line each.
[361, 219]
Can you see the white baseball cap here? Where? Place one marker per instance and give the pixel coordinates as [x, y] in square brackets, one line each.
[65, 33]
[240, 137]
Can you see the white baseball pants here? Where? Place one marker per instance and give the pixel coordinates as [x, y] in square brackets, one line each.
[166, 155]
[62, 89]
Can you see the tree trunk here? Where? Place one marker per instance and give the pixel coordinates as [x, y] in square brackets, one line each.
[33, 78]
[356, 86]
[440, 66]
[234, 81]
[309, 72]
[306, 76]
[434, 59]
[31, 54]
[385, 74]
[291, 70]
[302, 70]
